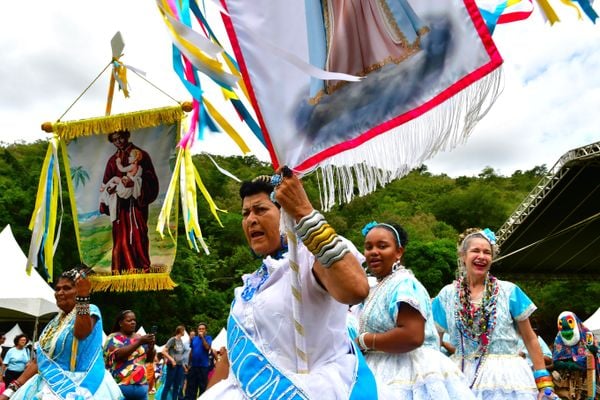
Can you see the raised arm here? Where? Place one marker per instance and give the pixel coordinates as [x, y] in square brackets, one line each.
[343, 278]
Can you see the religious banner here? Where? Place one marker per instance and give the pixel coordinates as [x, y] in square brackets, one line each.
[393, 81]
[119, 170]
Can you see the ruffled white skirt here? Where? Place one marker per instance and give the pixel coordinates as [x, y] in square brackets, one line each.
[422, 374]
[501, 377]
[37, 389]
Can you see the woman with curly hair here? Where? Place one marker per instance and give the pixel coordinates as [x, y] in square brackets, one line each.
[484, 317]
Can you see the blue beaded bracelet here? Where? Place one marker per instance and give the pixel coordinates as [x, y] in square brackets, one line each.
[540, 373]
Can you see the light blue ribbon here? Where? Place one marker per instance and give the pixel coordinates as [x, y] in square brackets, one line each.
[259, 379]
[60, 383]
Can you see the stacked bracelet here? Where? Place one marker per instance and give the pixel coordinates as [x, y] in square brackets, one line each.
[82, 308]
[543, 379]
[321, 239]
[82, 305]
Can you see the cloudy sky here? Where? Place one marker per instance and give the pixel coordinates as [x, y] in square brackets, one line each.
[53, 50]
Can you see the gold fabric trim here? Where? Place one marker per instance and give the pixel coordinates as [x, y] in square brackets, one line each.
[132, 282]
[131, 121]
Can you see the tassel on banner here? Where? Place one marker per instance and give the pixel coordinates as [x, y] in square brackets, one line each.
[131, 121]
[186, 178]
[43, 220]
[132, 283]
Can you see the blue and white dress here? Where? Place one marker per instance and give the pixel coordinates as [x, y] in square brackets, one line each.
[502, 374]
[423, 373]
[74, 368]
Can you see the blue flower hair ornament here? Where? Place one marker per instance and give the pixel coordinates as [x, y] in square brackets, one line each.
[490, 235]
[367, 228]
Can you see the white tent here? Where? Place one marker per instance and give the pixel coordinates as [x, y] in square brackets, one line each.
[141, 331]
[593, 323]
[220, 340]
[22, 296]
[11, 335]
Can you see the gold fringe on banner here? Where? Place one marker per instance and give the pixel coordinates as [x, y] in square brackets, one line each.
[132, 282]
[107, 124]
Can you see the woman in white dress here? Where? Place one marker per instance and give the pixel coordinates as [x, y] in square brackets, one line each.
[484, 317]
[396, 328]
[262, 354]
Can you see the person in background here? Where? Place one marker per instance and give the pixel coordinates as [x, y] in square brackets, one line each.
[199, 362]
[70, 347]
[396, 328]
[16, 359]
[151, 374]
[2, 340]
[173, 352]
[126, 353]
[484, 317]
[186, 362]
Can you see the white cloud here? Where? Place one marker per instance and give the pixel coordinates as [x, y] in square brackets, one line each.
[52, 50]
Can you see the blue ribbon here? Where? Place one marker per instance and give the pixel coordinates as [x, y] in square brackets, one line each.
[259, 379]
[587, 9]
[60, 383]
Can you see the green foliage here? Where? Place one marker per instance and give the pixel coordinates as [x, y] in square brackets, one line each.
[433, 263]
[432, 208]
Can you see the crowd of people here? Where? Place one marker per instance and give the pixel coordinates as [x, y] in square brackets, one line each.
[307, 324]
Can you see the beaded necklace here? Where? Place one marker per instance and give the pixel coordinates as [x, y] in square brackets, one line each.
[374, 294]
[50, 335]
[476, 323]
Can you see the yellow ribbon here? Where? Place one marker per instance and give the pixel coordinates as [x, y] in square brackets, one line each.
[210, 109]
[43, 219]
[548, 11]
[570, 4]
[203, 61]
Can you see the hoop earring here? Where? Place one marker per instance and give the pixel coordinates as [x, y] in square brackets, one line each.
[397, 265]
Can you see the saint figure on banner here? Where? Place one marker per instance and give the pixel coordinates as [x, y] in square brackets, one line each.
[360, 36]
[128, 187]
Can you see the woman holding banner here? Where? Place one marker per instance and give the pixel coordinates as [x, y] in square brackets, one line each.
[263, 357]
[69, 359]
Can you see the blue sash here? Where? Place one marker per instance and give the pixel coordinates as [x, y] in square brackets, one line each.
[260, 379]
[60, 383]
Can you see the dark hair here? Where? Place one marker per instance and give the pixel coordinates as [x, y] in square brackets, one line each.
[72, 273]
[120, 317]
[402, 235]
[256, 186]
[203, 324]
[19, 337]
[3, 335]
[123, 132]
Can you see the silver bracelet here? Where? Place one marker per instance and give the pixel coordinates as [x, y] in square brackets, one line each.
[82, 308]
[8, 392]
[307, 222]
[334, 253]
[361, 341]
